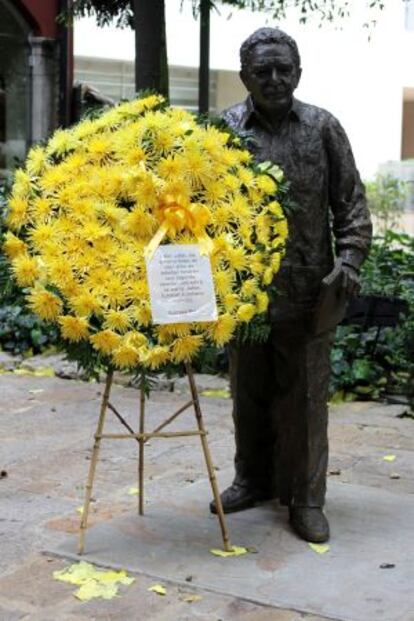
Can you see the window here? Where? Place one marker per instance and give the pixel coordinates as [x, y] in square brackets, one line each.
[115, 79]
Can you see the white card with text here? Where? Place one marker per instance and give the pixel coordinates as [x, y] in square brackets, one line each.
[181, 285]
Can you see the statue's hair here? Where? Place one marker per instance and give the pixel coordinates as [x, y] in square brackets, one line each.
[267, 35]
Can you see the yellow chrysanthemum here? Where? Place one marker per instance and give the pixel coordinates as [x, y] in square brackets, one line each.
[242, 209]
[69, 288]
[18, 212]
[135, 156]
[246, 176]
[246, 312]
[125, 356]
[115, 291]
[25, 270]
[41, 209]
[139, 289]
[231, 301]
[275, 261]
[276, 209]
[98, 278]
[213, 141]
[195, 166]
[267, 276]
[41, 235]
[170, 167]
[214, 191]
[237, 258]
[84, 129]
[119, 320]
[85, 304]
[74, 329]
[126, 263]
[249, 288]
[36, 161]
[52, 179]
[99, 147]
[140, 223]
[105, 341]
[185, 347]
[45, 304]
[143, 314]
[223, 329]
[135, 338]
[266, 184]
[61, 142]
[173, 329]
[281, 228]
[155, 357]
[256, 263]
[13, 246]
[22, 186]
[232, 182]
[223, 281]
[262, 301]
[60, 272]
[223, 217]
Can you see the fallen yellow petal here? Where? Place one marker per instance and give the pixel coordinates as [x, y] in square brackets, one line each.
[44, 372]
[389, 457]
[40, 372]
[78, 573]
[235, 551]
[93, 582]
[133, 491]
[80, 510]
[192, 598]
[224, 394]
[92, 589]
[116, 576]
[158, 589]
[320, 548]
[22, 372]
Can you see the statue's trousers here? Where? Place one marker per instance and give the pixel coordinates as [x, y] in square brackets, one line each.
[280, 392]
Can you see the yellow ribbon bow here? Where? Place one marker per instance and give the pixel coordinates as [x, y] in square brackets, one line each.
[176, 214]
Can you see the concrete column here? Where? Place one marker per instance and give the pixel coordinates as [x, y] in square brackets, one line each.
[44, 80]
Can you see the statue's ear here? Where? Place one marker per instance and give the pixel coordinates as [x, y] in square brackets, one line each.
[299, 75]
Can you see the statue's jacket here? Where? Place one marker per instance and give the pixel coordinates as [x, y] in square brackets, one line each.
[329, 214]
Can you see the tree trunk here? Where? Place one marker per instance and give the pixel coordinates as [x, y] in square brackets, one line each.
[151, 68]
[204, 70]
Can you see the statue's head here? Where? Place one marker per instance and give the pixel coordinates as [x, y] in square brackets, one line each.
[270, 68]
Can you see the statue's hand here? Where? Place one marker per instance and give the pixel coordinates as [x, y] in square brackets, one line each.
[350, 282]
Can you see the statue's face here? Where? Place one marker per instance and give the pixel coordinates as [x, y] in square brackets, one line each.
[271, 76]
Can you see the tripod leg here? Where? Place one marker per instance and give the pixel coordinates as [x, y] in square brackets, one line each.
[141, 454]
[94, 459]
[207, 456]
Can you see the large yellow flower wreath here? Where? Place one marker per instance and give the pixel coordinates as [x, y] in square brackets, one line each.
[85, 208]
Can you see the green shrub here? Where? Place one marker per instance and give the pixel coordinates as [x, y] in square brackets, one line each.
[386, 197]
[372, 363]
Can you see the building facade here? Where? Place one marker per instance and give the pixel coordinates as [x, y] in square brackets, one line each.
[36, 60]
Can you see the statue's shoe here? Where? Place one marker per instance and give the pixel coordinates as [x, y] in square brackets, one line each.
[309, 523]
[239, 497]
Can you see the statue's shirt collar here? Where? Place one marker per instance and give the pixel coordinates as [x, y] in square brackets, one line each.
[251, 114]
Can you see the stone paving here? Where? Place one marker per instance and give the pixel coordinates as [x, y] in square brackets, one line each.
[47, 425]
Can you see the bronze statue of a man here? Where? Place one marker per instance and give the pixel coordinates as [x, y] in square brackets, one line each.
[280, 388]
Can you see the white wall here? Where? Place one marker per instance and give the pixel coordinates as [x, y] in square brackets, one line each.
[359, 80]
